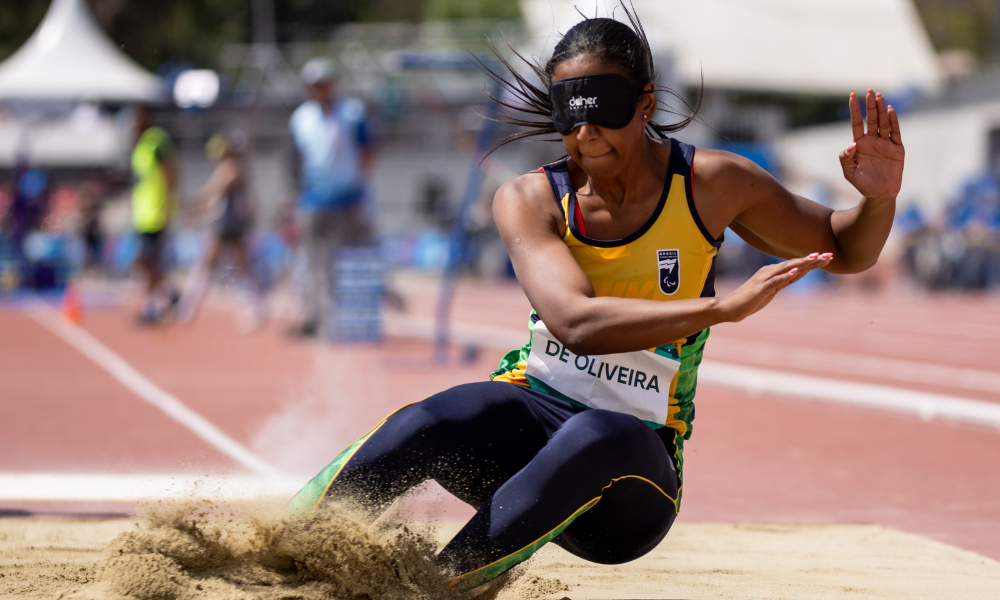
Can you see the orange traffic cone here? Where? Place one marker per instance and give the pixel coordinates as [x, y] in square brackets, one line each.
[72, 308]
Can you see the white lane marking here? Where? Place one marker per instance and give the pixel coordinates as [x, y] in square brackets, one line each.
[926, 406]
[907, 371]
[755, 380]
[108, 360]
[114, 487]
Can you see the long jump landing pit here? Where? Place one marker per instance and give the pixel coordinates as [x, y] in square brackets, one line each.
[54, 558]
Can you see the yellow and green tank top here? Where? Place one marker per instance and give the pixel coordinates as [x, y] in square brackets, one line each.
[151, 200]
[671, 257]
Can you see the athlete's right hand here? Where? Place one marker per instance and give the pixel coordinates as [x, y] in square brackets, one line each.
[759, 290]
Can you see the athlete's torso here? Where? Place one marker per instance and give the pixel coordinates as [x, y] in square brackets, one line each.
[671, 257]
[151, 195]
[234, 213]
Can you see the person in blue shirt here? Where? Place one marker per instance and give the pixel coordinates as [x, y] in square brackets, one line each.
[335, 155]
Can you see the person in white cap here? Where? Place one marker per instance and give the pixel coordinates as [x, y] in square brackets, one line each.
[336, 156]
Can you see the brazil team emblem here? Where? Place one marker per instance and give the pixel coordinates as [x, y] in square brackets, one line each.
[669, 266]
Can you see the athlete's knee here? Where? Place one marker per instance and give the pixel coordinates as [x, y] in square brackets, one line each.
[631, 518]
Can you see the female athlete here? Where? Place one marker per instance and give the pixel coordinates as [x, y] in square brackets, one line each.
[225, 197]
[578, 438]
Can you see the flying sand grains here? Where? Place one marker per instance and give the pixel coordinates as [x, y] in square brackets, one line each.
[145, 576]
[204, 550]
[211, 551]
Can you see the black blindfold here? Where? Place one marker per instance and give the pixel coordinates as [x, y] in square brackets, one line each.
[606, 100]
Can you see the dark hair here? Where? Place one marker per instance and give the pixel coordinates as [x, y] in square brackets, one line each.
[609, 40]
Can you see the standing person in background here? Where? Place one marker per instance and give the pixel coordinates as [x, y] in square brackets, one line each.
[90, 224]
[155, 167]
[225, 198]
[29, 203]
[336, 157]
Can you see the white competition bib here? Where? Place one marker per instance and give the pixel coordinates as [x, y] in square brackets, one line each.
[635, 383]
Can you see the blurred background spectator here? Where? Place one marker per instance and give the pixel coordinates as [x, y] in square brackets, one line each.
[154, 164]
[335, 155]
[224, 204]
[394, 71]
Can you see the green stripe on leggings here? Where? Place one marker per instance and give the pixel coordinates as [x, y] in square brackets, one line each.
[472, 579]
[308, 498]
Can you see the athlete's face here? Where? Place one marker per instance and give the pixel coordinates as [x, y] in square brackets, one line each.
[600, 151]
[323, 92]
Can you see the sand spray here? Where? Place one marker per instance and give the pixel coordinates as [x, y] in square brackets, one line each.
[204, 549]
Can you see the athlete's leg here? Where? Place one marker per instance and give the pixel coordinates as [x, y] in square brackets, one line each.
[601, 461]
[150, 263]
[197, 282]
[632, 517]
[239, 241]
[471, 439]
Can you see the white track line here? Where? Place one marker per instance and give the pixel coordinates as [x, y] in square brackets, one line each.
[843, 363]
[926, 406]
[126, 488]
[129, 377]
[754, 380]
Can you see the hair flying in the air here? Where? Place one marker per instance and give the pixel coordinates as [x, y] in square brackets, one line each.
[611, 41]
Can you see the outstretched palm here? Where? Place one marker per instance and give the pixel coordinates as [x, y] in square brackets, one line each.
[874, 162]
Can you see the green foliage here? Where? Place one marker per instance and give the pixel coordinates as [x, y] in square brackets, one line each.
[961, 24]
[18, 19]
[473, 9]
[150, 31]
[388, 11]
[155, 31]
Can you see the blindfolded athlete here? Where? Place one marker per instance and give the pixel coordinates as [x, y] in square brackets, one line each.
[578, 437]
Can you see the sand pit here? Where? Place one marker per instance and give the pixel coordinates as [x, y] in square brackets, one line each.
[178, 555]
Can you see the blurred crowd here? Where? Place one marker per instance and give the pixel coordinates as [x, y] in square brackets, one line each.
[322, 242]
[53, 227]
[47, 230]
[959, 248]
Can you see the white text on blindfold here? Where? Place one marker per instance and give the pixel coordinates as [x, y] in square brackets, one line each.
[580, 101]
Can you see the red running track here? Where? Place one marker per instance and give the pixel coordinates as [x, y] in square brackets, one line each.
[751, 458]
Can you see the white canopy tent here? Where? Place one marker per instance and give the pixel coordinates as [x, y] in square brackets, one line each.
[797, 46]
[84, 139]
[69, 57]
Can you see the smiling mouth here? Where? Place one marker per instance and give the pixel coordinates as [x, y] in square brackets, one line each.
[587, 155]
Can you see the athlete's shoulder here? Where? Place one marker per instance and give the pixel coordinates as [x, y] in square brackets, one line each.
[154, 135]
[719, 167]
[726, 184]
[307, 115]
[157, 141]
[527, 199]
[721, 174]
[352, 109]
[529, 188]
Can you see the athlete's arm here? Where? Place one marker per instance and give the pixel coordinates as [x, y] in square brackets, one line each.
[172, 177]
[531, 224]
[226, 174]
[732, 191]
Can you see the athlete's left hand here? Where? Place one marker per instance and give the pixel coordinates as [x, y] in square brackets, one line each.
[874, 162]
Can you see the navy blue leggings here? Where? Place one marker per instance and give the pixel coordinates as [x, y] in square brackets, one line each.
[601, 484]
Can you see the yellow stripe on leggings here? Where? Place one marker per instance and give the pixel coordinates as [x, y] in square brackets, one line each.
[473, 579]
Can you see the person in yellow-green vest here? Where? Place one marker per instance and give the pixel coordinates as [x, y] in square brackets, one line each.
[154, 166]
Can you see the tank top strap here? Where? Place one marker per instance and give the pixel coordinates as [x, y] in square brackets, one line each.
[682, 163]
[558, 175]
[683, 160]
